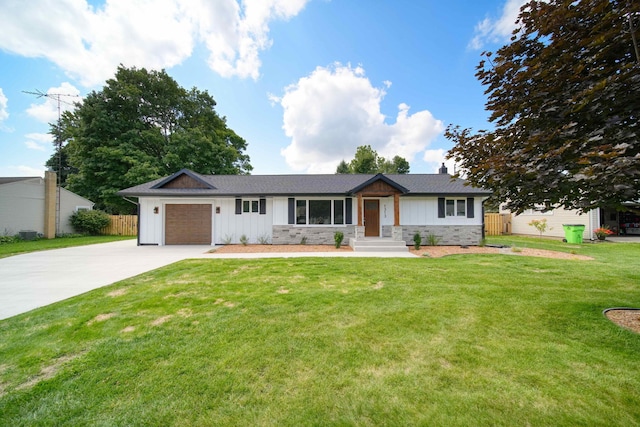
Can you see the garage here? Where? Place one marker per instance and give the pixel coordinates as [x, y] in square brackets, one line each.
[187, 224]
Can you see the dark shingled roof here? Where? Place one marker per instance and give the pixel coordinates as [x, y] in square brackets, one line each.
[302, 185]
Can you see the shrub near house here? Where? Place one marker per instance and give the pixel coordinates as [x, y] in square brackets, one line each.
[89, 222]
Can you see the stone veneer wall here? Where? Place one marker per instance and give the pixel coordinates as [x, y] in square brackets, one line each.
[292, 235]
[448, 234]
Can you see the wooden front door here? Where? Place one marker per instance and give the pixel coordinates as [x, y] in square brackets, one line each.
[371, 218]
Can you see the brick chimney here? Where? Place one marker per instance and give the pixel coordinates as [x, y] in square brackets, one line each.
[50, 193]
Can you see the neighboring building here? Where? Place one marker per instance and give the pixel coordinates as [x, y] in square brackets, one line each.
[189, 208]
[621, 223]
[30, 204]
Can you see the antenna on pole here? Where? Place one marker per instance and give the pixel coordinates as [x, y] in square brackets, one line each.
[58, 142]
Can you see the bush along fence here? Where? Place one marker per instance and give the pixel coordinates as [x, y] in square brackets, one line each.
[122, 225]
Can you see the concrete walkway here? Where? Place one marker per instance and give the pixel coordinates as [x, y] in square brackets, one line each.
[41, 278]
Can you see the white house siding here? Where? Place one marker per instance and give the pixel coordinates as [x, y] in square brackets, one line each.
[555, 220]
[416, 215]
[22, 206]
[69, 204]
[150, 232]
[229, 227]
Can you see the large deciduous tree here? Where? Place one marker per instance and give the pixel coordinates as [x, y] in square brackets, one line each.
[142, 125]
[565, 99]
[367, 160]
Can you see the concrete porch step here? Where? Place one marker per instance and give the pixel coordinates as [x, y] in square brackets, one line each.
[378, 245]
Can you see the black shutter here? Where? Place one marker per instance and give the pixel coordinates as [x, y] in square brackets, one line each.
[292, 210]
[469, 207]
[263, 206]
[440, 207]
[348, 210]
[238, 206]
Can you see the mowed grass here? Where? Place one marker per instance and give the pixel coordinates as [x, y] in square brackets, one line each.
[25, 246]
[462, 340]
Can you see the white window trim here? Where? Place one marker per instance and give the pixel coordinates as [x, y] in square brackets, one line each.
[251, 202]
[455, 208]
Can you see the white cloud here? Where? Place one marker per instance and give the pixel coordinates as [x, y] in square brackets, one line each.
[4, 111]
[497, 30]
[235, 34]
[89, 42]
[331, 112]
[435, 156]
[21, 170]
[39, 141]
[32, 145]
[47, 110]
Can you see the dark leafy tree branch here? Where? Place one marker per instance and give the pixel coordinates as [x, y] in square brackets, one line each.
[565, 99]
[142, 125]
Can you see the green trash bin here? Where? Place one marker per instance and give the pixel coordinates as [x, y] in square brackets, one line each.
[573, 232]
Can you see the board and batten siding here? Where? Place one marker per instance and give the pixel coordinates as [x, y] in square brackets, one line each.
[229, 227]
[150, 232]
[424, 211]
[226, 225]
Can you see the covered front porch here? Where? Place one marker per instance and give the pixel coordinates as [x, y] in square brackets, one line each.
[372, 231]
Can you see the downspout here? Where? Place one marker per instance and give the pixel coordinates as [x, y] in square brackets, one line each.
[483, 225]
[137, 220]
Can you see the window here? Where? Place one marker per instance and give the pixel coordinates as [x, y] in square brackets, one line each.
[301, 211]
[83, 208]
[338, 212]
[450, 207]
[537, 210]
[251, 206]
[456, 207]
[319, 212]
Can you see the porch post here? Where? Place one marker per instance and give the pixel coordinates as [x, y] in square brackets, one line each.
[360, 210]
[396, 210]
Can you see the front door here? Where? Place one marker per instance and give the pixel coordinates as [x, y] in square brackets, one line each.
[371, 218]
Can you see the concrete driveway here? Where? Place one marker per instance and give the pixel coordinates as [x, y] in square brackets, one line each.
[40, 278]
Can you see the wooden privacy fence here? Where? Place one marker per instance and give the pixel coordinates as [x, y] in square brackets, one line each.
[496, 224]
[122, 225]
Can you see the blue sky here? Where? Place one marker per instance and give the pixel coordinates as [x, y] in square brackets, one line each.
[305, 82]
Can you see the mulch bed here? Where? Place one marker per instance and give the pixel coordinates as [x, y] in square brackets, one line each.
[629, 319]
[430, 251]
[249, 249]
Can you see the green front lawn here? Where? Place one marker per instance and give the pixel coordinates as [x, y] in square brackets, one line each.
[461, 340]
[25, 246]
